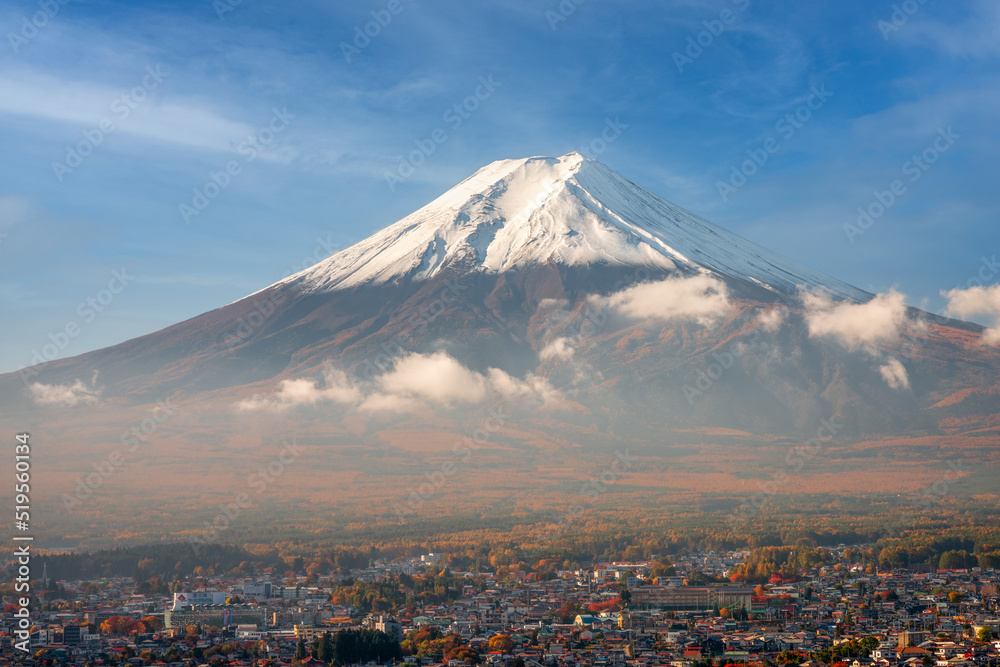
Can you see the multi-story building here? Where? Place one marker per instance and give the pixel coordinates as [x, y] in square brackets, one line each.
[691, 598]
[216, 615]
[184, 600]
[308, 631]
[389, 626]
[257, 589]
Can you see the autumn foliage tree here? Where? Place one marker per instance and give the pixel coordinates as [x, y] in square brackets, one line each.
[598, 607]
[120, 626]
[501, 643]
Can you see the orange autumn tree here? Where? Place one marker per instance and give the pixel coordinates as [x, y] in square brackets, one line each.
[501, 643]
[610, 605]
[119, 626]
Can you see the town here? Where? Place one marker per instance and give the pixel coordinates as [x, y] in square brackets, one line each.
[696, 609]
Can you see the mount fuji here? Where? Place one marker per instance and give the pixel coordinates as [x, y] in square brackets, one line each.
[590, 313]
[567, 211]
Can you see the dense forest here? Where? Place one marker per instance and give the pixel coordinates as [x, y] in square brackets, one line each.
[782, 547]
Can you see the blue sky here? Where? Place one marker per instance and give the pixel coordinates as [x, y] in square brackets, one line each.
[161, 95]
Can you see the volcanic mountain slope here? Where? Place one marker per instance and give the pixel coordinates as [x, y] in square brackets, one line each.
[596, 313]
[568, 211]
[488, 268]
[572, 221]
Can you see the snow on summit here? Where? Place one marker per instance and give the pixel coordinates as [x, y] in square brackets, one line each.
[566, 210]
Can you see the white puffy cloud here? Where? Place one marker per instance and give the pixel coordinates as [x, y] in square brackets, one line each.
[700, 297]
[335, 388]
[856, 325]
[416, 381]
[509, 387]
[977, 301]
[559, 348]
[68, 395]
[894, 374]
[438, 378]
[771, 320]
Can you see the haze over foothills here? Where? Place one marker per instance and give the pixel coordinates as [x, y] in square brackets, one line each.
[114, 116]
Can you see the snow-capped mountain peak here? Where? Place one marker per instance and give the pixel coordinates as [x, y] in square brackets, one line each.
[568, 210]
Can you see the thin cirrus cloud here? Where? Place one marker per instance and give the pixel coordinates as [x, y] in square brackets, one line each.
[977, 302]
[417, 381]
[47, 98]
[973, 37]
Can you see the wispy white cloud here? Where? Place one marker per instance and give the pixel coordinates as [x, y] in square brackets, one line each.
[771, 320]
[894, 374]
[14, 210]
[417, 381]
[334, 387]
[977, 301]
[975, 36]
[43, 96]
[66, 395]
[559, 348]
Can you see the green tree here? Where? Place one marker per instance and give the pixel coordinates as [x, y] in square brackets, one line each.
[325, 650]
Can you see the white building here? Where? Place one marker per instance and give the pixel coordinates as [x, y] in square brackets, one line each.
[185, 600]
[249, 632]
[257, 589]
